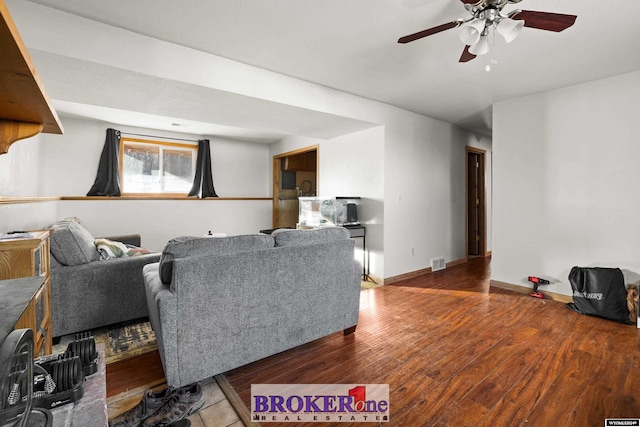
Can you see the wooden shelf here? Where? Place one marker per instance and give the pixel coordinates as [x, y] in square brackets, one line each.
[25, 109]
[25, 259]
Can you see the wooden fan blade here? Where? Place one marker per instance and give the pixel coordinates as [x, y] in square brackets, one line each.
[430, 31]
[469, 1]
[466, 55]
[545, 21]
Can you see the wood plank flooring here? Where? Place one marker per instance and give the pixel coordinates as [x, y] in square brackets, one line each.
[455, 351]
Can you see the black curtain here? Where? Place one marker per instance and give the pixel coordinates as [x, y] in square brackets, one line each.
[107, 181]
[203, 181]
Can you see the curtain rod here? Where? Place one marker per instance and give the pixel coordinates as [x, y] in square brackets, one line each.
[156, 136]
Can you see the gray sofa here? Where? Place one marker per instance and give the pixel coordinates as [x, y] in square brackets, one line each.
[216, 304]
[88, 292]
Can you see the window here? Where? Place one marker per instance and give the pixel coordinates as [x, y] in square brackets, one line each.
[156, 167]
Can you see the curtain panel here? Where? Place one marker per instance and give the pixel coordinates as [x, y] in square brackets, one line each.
[203, 181]
[107, 181]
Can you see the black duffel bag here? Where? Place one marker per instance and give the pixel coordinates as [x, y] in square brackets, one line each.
[599, 292]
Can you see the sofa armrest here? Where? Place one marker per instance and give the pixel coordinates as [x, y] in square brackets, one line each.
[127, 239]
[162, 306]
[98, 293]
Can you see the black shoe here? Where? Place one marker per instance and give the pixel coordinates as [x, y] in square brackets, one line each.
[183, 403]
[151, 402]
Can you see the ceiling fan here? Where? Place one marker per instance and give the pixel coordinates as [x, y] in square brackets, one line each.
[487, 14]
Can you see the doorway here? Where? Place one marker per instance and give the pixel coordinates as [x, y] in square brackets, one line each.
[295, 174]
[476, 222]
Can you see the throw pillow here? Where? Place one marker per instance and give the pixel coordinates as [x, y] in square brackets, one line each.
[72, 243]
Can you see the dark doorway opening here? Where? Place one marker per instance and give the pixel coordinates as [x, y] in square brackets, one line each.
[476, 222]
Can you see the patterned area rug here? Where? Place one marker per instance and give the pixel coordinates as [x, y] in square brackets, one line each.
[121, 341]
[126, 340]
[366, 284]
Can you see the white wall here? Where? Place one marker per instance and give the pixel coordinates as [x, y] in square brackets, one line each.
[566, 192]
[21, 175]
[20, 168]
[54, 165]
[70, 161]
[157, 221]
[424, 194]
[27, 216]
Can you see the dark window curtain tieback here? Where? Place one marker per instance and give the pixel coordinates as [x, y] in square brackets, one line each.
[203, 181]
[107, 181]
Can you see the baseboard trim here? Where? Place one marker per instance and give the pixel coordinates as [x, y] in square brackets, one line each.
[457, 262]
[422, 272]
[527, 290]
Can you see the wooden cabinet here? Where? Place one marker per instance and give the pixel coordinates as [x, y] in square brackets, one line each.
[29, 257]
[25, 109]
[300, 162]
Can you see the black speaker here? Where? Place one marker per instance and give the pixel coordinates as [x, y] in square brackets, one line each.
[352, 213]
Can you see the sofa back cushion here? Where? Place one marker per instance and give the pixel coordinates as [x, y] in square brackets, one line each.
[72, 243]
[288, 237]
[186, 246]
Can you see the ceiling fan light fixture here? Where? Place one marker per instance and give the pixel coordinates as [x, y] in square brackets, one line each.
[509, 28]
[470, 34]
[480, 48]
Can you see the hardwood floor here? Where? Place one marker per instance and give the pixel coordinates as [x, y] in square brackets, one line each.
[455, 351]
[140, 371]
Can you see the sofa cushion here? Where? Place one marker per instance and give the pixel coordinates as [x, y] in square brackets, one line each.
[288, 237]
[72, 243]
[186, 246]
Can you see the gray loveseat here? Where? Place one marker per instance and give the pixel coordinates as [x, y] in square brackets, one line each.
[88, 292]
[216, 304]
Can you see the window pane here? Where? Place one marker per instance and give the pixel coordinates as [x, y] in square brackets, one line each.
[157, 167]
[178, 170]
[141, 168]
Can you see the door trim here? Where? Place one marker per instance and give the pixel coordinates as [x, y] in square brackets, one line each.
[482, 197]
[277, 176]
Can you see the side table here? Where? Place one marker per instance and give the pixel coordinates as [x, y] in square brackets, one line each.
[355, 232]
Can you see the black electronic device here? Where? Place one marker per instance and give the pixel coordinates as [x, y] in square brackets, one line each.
[65, 373]
[17, 405]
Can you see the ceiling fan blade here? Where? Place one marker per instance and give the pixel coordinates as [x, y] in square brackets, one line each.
[466, 55]
[544, 20]
[428, 32]
[469, 1]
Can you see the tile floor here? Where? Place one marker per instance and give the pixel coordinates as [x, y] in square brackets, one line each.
[217, 412]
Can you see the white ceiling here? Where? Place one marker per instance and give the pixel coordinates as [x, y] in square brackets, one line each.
[352, 46]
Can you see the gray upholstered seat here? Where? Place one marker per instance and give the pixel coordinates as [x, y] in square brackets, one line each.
[218, 304]
[88, 292]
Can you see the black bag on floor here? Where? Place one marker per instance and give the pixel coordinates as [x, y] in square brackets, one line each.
[599, 292]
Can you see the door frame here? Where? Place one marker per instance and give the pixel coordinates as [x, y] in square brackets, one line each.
[481, 196]
[277, 176]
